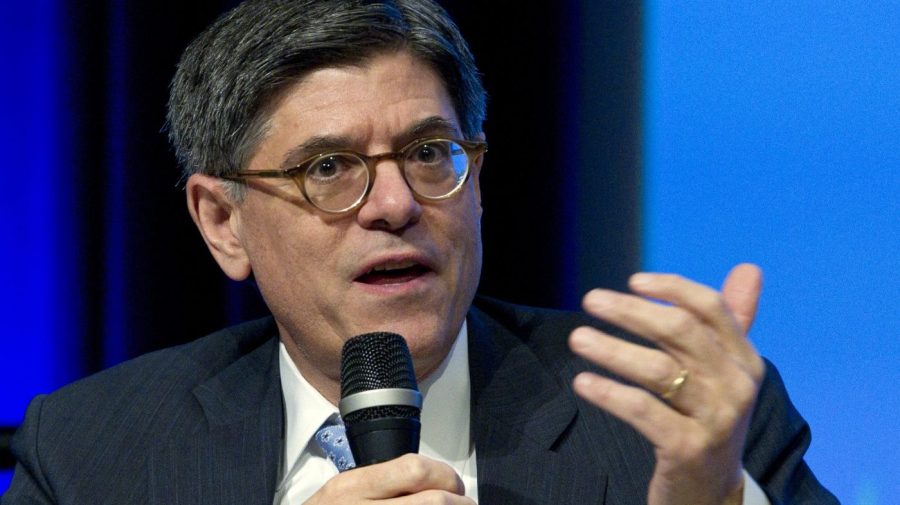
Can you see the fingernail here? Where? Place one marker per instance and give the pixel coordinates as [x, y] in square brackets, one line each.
[583, 380]
[599, 299]
[579, 339]
[640, 279]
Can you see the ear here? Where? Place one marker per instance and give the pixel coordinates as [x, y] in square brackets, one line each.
[217, 216]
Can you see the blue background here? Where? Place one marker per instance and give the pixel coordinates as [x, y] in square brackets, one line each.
[770, 134]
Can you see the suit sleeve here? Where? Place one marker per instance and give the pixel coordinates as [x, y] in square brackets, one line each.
[29, 485]
[776, 443]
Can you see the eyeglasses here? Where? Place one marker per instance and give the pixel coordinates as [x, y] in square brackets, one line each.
[335, 182]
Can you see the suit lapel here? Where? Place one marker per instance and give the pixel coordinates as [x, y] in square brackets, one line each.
[519, 412]
[234, 457]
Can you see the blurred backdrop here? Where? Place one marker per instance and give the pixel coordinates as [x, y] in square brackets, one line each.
[677, 136]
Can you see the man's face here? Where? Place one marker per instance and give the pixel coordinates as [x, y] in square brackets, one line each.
[318, 272]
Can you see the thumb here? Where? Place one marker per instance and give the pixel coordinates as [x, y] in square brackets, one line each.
[741, 293]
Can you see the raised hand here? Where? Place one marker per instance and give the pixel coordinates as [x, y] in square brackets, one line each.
[693, 395]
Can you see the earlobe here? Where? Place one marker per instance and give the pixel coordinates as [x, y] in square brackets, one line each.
[217, 218]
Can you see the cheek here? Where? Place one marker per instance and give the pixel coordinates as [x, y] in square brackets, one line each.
[285, 245]
[475, 250]
[466, 238]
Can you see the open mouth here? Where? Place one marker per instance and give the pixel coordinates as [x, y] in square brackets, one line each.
[393, 273]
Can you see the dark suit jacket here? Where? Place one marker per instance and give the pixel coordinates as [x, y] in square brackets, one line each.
[202, 424]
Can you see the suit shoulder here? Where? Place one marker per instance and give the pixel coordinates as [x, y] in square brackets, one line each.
[515, 316]
[543, 331]
[151, 381]
[109, 422]
[537, 324]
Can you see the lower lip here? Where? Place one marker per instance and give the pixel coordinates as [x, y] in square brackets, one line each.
[406, 287]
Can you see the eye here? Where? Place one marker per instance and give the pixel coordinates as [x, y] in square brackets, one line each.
[430, 153]
[330, 168]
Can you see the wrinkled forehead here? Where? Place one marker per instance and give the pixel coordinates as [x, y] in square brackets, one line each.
[395, 89]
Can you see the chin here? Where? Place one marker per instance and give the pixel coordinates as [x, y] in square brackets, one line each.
[429, 342]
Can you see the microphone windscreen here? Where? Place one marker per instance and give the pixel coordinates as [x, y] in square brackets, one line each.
[373, 361]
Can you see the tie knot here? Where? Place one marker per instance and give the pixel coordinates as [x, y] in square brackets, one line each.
[332, 438]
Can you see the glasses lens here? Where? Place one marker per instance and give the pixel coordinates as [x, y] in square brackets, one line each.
[336, 182]
[436, 168]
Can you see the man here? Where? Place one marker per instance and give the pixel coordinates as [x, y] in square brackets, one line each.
[333, 150]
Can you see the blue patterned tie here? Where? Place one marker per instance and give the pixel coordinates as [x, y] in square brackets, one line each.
[332, 438]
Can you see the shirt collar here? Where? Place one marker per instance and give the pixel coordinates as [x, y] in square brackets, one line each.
[445, 410]
[305, 409]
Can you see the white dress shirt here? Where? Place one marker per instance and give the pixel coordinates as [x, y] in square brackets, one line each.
[445, 428]
[445, 425]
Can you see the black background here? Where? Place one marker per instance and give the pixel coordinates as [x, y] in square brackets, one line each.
[560, 183]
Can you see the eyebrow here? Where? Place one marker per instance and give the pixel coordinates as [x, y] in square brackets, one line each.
[434, 125]
[314, 145]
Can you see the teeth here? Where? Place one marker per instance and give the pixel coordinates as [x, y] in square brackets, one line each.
[394, 266]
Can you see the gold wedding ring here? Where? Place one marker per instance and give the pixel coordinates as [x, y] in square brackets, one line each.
[676, 384]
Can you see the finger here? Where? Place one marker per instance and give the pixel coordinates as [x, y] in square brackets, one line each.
[647, 414]
[741, 291]
[704, 302]
[413, 473]
[431, 496]
[650, 368]
[675, 330]
[408, 474]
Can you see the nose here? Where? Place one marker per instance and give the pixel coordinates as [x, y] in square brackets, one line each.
[391, 204]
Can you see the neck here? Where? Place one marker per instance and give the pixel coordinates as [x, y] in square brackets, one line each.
[324, 372]
[328, 385]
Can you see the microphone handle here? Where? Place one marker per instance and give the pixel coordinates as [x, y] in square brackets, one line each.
[383, 439]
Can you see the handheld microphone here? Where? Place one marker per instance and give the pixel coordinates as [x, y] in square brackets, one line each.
[380, 400]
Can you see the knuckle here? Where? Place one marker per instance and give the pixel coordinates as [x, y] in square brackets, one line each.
[641, 406]
[334, 487]
[757, 370]
[603, 392]
[695, 446]
[415, 469]
[660, 372]
[745, 390]
[681, 323]
[728, 417]
[739, 396]
[743, 385]
[711, 302]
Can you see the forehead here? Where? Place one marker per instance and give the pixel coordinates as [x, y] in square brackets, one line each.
[375, 102]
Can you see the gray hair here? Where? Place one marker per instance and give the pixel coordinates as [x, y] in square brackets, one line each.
[230, 74]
